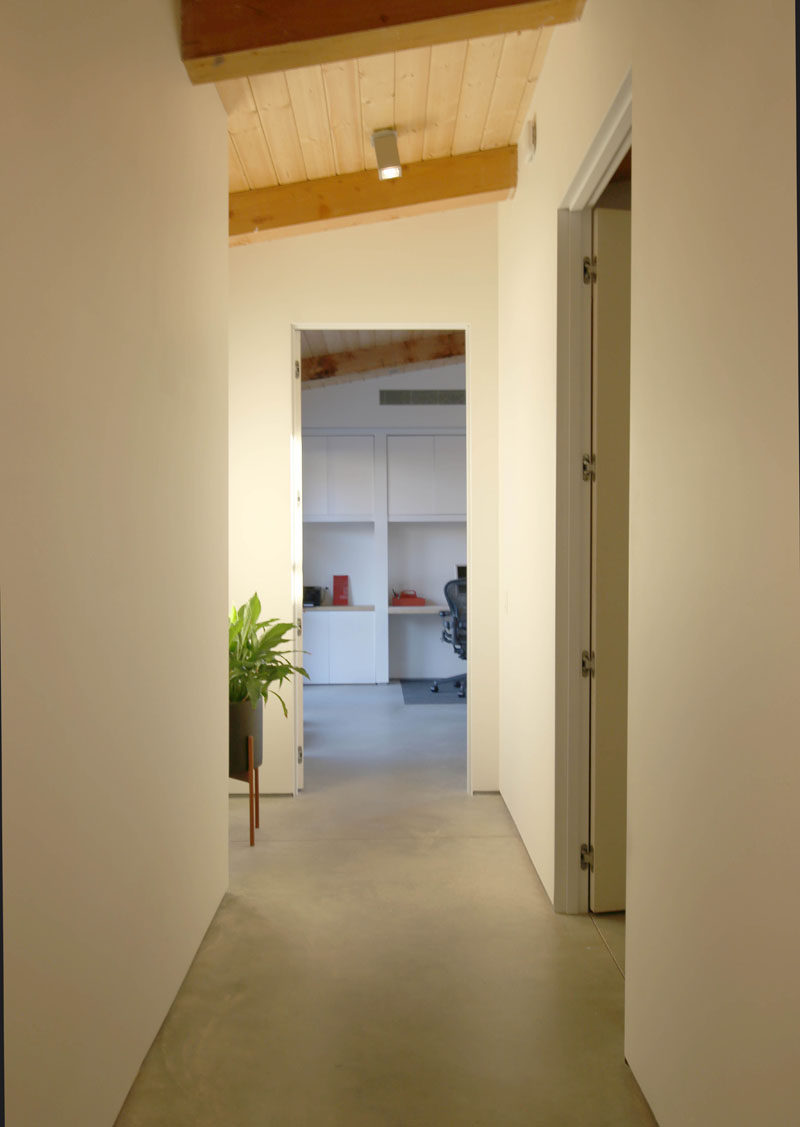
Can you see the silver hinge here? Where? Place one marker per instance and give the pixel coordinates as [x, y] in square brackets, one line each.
[589, 271]
[299, 499]
[589, 465]
[299, 754]
[587, 664]
[587, 857]
[297, 369]
[299, 624]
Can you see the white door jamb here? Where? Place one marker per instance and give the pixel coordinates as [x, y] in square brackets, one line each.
[573, 440]
[296, 485]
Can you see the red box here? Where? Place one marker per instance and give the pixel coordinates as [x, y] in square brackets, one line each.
[341, 590]
[407, 599]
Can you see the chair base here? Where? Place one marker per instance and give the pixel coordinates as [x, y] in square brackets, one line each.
[460, 684]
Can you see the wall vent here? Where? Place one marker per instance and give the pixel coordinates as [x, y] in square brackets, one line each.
[424, 396]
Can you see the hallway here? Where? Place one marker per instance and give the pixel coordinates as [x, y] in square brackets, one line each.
[386, 956]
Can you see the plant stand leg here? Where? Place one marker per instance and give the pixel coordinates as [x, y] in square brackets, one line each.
[258, 804]
[250, 785]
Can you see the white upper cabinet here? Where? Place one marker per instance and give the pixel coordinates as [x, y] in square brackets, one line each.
[351, 468]
[315, 476]
[450, 474]
[427, 475]
[338, 476]
[410, 471]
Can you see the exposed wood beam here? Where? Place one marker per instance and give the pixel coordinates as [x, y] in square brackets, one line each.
[365, 377]
[361, 219]
[336, 200]
[238, 38]
[427, 351]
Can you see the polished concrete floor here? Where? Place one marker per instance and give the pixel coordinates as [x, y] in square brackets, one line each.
[387, 957]
[611, 926]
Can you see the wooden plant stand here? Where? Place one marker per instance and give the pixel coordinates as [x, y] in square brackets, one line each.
[251, 778]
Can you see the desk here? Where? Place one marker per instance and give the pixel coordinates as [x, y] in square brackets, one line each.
[429, 608]
[330, 606]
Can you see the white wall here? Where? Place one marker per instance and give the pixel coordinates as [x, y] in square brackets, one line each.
[430, 271]
[358, 404]
[112, 554]
[712, 991]
[586, 63]
[714, 720]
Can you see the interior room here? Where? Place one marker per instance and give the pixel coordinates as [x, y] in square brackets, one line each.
[186, 189]
[383, 431]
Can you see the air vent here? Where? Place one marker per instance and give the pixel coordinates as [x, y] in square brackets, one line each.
[424, 396]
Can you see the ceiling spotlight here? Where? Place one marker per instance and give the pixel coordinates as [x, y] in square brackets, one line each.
[384, 142]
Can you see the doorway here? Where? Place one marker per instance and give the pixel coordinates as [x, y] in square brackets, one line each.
[609, 485]
[379, 469]
[592, 523]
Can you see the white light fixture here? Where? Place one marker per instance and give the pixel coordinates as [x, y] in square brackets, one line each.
[384, 142]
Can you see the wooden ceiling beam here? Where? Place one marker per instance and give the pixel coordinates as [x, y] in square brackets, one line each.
[239, 38]
[341, 200]
[424, 351]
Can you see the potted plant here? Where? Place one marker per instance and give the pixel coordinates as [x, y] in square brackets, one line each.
[257, 666]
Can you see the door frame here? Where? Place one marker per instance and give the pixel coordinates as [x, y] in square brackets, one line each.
[296, 493]
[573, 440]
[296, 486]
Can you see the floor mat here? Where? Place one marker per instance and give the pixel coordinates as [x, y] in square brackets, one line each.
[419, 692]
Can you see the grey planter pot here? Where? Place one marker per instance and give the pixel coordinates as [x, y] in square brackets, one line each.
[244, 721]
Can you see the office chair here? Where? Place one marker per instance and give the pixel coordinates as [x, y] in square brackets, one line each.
[454, 628]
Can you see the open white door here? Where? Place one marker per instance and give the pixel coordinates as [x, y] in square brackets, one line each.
[611, 332]
[297, 549]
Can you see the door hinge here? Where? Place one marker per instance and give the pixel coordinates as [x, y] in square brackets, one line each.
[299, 754]
[587, 857]
[589, 465]
[587, 664]
[589, 270]
[297, 369]
[299, 624]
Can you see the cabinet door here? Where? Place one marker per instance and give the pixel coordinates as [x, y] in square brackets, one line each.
[410, 469]
[450, 474]
[316, 661]
[351, 490]
[352, 647]
[427, 475]
[315, 476]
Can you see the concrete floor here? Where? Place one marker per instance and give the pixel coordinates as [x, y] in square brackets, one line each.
[387, 957]
[611, 926]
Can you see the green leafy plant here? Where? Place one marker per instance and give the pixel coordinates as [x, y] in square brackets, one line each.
[257, 660]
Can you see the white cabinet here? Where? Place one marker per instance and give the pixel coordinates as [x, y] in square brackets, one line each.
[340, 646]
[409, 465]
[316, 644]
[352, 647]
[338, 477]
[450, 474]
[389, 511]
[427, 475]
[315, 476]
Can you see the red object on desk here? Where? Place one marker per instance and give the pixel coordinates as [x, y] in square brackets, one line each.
[341, 590]
[407, 599]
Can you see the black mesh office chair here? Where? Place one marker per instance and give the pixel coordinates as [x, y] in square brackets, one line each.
[454, 630]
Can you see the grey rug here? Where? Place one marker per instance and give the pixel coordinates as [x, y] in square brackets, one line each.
[419, 692]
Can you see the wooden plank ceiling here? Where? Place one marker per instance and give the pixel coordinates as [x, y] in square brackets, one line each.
[311, 125]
